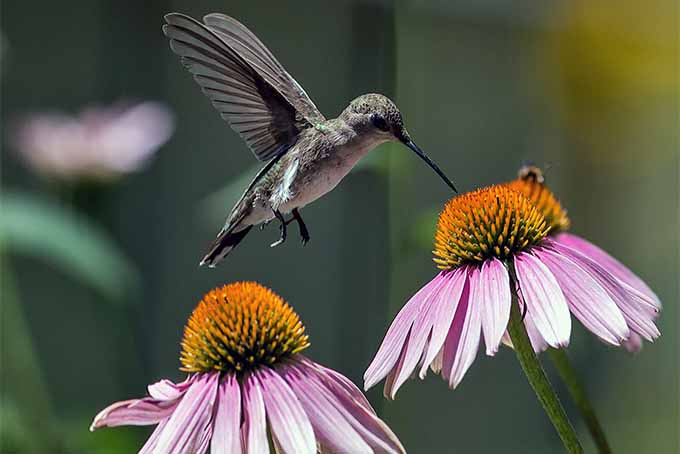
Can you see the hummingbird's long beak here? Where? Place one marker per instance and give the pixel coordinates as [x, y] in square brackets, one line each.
[416, 149]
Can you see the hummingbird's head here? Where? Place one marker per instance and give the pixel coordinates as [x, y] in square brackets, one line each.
[376, 116]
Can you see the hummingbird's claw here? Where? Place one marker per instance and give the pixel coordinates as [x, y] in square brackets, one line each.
[282, 226]
[278, 242]
[304, 233]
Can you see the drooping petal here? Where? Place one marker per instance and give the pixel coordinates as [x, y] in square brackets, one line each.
[420, 333]
[544, 299]
[164, 397]
[191, 422]
[134, 412]
[437, 362]
[537, 342]
[634, 343]
[493, 296]
[588, 301]
[443, 313]
[462, 341]
[288, 421]
[331, 428]
[609, 263]
[167, 390]
[393, 343]
[227, 426]
[389, 390]
[254, 429]
[341, 381]
[374, 433]
[638, 310]
[150, 445]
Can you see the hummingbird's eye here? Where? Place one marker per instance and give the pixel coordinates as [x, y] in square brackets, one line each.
[379, 122]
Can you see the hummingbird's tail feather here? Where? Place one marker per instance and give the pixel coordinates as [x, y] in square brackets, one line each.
[226, 240]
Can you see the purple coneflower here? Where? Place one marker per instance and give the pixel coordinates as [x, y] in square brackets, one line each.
[484, 238]
[99, 144]
[531, 183]
[250, 387]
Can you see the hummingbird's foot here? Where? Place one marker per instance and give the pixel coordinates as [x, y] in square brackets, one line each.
[282, 226]
[304, 233]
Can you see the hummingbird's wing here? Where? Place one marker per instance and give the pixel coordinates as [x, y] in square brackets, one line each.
[245, 83]
[249, 46]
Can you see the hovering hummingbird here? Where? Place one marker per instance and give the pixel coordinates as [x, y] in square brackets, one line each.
[307, 155]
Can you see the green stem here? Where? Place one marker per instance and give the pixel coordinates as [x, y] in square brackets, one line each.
[538, 379]
[578, 394]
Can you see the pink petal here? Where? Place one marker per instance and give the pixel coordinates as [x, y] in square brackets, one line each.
[330, 425]
[589, 302]
[227, 426]
[372, 430]
[148, 410]
[443, 312]
[288, 420]
[638, 310]
[420, 332]
[254, 430]
[134, 412]
[609, 263]
[633, 344]
[393, 344]
[150, 445]
[537, 342]
[462, 341]
[339, 380]
[436, 364]
[167, 390]
[544, 299]
[493, 297]
[191, 422]
[389, 391]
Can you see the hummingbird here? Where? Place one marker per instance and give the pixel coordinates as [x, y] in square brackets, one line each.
[306, 155]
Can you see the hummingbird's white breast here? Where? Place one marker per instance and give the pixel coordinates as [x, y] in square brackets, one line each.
[311, 169]
[303, 184]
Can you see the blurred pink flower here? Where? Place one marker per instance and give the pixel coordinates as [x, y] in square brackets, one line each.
[482, 238]
[99, 144]
[251, 385]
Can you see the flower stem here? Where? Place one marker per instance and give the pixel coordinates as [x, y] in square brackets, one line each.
[538, 379]
[578, 394]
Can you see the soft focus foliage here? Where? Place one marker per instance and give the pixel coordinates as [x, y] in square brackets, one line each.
[66, 239]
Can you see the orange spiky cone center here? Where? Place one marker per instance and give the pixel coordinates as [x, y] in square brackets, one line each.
[238, 327]
[530, 183]
[490, 222]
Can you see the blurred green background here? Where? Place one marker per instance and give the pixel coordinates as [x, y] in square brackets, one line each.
[96, 285]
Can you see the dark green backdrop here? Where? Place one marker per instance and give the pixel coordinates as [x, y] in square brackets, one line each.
[589, 90]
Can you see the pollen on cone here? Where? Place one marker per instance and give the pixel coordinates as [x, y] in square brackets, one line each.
[238, 327]
[496, 221]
